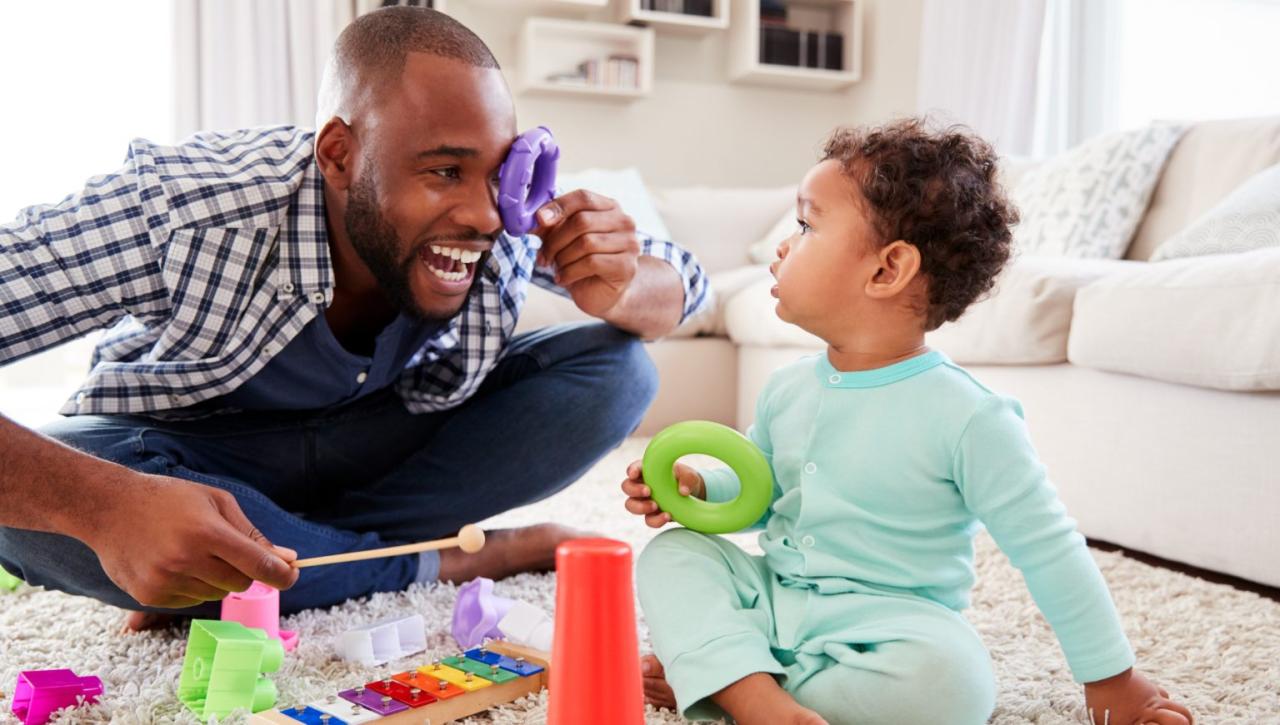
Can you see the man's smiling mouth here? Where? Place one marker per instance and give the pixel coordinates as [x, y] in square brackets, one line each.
[451, 264]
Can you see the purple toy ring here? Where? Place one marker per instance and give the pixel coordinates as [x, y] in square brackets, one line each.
[527, 179]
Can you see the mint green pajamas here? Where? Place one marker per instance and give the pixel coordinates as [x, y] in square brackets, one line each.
[882, 478]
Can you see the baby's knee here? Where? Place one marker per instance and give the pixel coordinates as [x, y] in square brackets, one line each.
[668, 549]
[915, 682]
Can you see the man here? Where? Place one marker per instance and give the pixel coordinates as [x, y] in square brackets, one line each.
[311, 345]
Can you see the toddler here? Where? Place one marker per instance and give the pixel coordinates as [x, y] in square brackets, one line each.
[887, 459]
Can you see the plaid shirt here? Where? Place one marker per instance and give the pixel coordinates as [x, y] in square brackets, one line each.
[206, 259]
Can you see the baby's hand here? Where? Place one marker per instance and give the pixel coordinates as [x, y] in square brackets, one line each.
[640, 498]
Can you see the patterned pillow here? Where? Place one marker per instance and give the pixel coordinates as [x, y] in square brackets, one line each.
[1247, 219]
[1088, 201]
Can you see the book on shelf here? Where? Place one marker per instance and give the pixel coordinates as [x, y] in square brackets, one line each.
[801, 48]
[614, 71]
[703, 8]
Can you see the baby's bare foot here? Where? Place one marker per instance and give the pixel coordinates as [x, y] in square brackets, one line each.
[656, 690]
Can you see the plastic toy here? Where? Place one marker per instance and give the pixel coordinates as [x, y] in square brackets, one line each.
[222, 670]
[527, 179]
[259, 606]
[39, 693]
[729, 446]
[597, 654]
[8, 582]
[438, 692]
[479, 614]
[374, 644]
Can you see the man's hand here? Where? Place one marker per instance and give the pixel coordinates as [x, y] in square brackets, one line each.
[1130, 699]
[593, 246]
[640, 497]
[172, 543]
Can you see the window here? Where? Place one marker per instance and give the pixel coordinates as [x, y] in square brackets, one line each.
[80, 78]
[1197, 59]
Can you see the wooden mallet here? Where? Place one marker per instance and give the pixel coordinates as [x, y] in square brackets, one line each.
[470, 539]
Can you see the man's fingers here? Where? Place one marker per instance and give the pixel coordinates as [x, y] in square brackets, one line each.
[566, 205]
[595, 242]
[615, 269]
[249, 551]
[217, 573]
[198, 590]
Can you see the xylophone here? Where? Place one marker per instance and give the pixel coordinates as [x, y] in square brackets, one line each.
[439, 692]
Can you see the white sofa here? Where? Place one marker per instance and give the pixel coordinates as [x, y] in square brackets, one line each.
[1152, 390]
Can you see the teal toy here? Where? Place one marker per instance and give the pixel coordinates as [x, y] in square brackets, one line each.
[8, 582]
[222, 670]
[721, 442]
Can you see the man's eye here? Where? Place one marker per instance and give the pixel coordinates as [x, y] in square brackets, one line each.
[450, 172]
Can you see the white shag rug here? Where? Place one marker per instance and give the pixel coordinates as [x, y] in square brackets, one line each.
[1215, 648]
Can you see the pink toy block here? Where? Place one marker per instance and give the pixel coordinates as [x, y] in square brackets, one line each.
[259, 607]
[40, 692]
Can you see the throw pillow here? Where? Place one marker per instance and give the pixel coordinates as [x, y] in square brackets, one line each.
[1088, 201]
[1247, 219]
[624, 186]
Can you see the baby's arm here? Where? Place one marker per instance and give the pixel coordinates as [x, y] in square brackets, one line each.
[1004, 484]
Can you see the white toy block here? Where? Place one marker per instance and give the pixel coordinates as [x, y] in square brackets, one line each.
[527, 625]
[376, 644]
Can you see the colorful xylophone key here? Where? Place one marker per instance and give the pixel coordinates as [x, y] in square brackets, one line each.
[444, 690]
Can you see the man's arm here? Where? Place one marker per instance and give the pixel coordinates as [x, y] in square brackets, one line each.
[592, 251]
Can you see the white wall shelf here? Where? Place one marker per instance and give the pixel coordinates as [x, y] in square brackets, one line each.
[540, 5]
[633, 11]
[840, 16]
[549, 47]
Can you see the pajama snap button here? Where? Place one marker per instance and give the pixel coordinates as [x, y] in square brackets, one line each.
[808, 540]
[363, 376]
[834, 379]
[810, 467]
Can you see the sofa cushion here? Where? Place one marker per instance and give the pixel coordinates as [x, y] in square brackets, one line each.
[1088, 201]
[1025, 321]
[1209, 321]
[719, 225]
[1248, 219]
[1209, 162]
[624, 186]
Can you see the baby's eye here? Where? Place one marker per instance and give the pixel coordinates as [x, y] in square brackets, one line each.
[804, 227]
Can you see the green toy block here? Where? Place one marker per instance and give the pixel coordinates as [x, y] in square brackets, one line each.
[8, 582]
[223, 669]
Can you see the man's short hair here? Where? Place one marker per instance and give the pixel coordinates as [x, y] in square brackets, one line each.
[372, 51]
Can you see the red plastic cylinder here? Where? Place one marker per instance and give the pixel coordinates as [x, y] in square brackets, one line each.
[595, 658]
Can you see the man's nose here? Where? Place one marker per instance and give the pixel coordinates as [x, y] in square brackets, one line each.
[478, 209]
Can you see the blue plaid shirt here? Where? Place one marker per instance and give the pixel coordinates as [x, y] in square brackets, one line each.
[206, 259]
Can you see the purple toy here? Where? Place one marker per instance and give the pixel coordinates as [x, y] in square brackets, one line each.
[477, 612]
[527, 179]
[40, 692]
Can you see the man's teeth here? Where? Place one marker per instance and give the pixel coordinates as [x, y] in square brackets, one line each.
[461, 255]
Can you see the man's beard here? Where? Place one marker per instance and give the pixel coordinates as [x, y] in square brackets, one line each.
[378, 246]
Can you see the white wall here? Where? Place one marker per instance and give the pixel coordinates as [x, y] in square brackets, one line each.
[696, 127]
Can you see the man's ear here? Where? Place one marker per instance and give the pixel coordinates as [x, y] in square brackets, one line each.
[335, 148]
[899, 264]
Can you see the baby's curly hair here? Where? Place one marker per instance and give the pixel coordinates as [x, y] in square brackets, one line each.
[936, 189]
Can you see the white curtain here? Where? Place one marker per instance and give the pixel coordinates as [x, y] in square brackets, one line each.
[978, 66]
[243, 63]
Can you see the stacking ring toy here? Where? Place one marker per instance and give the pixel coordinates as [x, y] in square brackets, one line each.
[729, 446]
[527, 179]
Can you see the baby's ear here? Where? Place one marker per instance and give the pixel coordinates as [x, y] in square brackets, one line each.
[899, 264]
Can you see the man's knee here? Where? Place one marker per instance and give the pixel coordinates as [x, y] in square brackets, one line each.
[103, 437]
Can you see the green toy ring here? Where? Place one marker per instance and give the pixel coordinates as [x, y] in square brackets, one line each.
[725, 444]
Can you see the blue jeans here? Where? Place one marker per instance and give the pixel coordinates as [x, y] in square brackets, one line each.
[371, 474]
